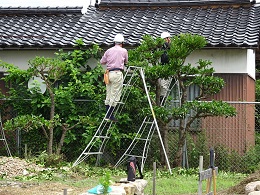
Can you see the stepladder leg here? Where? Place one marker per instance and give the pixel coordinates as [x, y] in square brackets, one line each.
[214, 182]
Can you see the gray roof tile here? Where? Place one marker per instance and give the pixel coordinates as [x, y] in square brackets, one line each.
[222, 26]
[168, 2]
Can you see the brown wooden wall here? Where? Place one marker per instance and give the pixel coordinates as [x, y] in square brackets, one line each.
[238, 87]
[238, 132]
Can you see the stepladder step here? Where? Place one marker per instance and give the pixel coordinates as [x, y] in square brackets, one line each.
[135, 156]
[102, 136]
[89, 153]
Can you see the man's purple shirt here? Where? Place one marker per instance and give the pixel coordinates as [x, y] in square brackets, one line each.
[115, 57]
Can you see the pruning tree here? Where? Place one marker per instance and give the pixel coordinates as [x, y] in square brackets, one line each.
[67, 77]
[201, 74]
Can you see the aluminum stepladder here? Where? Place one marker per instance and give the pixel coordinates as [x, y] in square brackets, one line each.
[99, 140]
[146, 131]
[102, 134]
[3, 138]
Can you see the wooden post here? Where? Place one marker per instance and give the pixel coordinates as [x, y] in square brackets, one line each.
[154, 177]
[200, 170]
[209, 175]
[212, 165]
[209, 181]
[25, 151]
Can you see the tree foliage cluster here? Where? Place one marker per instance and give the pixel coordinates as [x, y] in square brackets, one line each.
[58, 119]
[186, 75]
[51, 118]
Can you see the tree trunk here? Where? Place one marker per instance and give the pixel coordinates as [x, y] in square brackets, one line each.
[164, 135]
[64, 130]
[52, 111]
[179, 153]
[50, 143]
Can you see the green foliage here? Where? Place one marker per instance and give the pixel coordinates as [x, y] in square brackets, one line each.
[67, 78]
[201, 74]
[26, 122]
[105, 182]
[188, 183]
[182, 181]
[257, 90]
[201, 109]
[78, 94]
[233, 161]
[197, 148]
[43, 159]
[186, 172]
[184, 44]
[70, 78]
[44, 175]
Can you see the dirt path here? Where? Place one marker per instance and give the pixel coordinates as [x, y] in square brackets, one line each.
[50, 188]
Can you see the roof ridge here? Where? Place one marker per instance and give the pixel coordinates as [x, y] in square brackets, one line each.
[110, 3]
[40, 10]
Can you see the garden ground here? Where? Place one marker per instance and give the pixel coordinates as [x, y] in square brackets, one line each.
[48, 188]
[15, 167]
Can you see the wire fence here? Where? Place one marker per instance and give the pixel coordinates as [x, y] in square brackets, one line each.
[234, 140]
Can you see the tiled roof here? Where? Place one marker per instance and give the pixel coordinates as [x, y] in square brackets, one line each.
[222, 26]
[169, 2]
[39, 27]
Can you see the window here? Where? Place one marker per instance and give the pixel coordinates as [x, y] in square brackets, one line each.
[192, 92]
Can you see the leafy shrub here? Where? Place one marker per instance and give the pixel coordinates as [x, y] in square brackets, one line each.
[235, 162]
[105, 182]
[46, 160]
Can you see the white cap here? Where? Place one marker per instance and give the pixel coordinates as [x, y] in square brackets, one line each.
[119, 38]
[165, 35]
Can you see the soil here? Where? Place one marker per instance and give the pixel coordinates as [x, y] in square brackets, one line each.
[12, 167]
[15, 167]
[50, 188]
[240, 188]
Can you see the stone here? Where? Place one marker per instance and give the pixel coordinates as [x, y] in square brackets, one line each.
[127, 188]
[254, 193]
[117, 190]
[139, 184]
[251, 187]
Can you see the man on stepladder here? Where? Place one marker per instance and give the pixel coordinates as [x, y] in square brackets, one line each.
[115, 59]
[164, 83]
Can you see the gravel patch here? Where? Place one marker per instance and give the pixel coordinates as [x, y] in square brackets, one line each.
[11, 167]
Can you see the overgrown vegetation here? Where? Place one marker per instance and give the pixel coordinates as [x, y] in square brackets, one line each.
[50, 119]
[226, 159]
[187, 111]
[105, 181]
[182, 181]
[63, 124]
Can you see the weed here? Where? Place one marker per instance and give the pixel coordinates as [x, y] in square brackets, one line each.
[105, 182]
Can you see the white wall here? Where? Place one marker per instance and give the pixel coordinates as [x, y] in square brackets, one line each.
[251, 62]
[20, 58]
[223, 60]
[227, 60]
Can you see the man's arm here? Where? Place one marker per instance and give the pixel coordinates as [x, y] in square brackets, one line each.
[103, 60]
[126, 57]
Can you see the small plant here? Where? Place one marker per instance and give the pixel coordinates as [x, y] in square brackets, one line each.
[105, 182]
[53, 160]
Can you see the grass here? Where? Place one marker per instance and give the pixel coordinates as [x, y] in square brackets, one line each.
[188, 184]
[84, 176]
[182, 181]
[177, 183]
